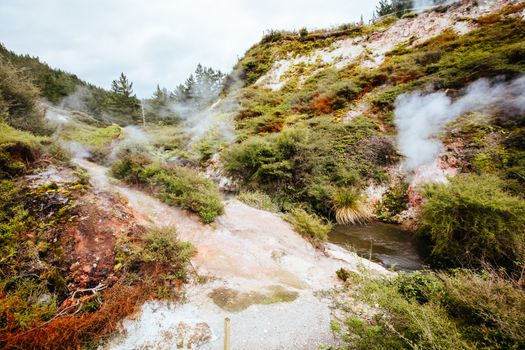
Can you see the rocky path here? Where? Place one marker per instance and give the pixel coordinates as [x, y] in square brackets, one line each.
[260, 273]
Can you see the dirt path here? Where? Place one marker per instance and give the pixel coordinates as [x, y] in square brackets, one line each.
[265, 277]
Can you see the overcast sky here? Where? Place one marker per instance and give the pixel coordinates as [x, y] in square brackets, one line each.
[156, 41]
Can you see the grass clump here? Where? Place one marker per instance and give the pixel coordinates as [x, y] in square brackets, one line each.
[259, 200]
[173, 185]
[309, 225]
[350, 207]
[473, 221]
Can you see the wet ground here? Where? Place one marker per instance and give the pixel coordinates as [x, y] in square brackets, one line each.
[384, 243]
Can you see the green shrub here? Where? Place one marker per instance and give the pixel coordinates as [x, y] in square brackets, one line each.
[173, 185]
[18, 99]
[402, 322]
[305, 162]
[259, 200]
[169, 255]
[491, 309]
[394, 201]
[309, 225]
[472, 221]
[426, 310]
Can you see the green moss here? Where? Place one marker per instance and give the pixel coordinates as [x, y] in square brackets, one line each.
[235, 301]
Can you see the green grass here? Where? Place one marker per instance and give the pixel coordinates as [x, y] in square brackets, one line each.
[259, 200]
[17, 150]
[96, 140]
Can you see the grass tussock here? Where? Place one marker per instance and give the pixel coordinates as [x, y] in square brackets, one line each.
[173, 185]
[351, 208]
[309, 225]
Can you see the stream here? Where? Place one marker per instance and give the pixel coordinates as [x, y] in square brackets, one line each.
[386, 244]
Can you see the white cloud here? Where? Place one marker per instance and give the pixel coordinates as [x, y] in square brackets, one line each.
[158, 41]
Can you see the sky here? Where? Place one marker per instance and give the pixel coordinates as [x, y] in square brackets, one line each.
[157, 41]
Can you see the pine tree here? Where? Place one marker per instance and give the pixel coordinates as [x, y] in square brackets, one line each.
[395, 7]
[122, 86]
[384, 8]
[122, 100]
[160, 98]
[400, 7]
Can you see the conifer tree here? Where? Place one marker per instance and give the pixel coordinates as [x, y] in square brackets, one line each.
[122, 98]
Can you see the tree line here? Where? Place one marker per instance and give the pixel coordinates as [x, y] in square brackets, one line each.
[198, 91]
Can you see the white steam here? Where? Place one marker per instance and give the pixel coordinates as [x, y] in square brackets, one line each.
[133, 138]
[77, 150]
[420, 118]
[421, 5]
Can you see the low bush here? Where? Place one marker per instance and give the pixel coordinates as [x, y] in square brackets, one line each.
[394, 201]
[490, 308]
[472, 221]
[166, 253]
[309, 225]
[173, 185]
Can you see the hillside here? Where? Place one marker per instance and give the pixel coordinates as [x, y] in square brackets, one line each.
[143, 224]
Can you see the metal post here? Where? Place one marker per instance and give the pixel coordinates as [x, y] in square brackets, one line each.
[227, 333]
[143, 114]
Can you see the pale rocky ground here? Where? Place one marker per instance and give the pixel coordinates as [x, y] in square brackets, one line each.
[369, 51]
[249, 251]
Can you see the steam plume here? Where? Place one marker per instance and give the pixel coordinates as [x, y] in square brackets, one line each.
[420, 118]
